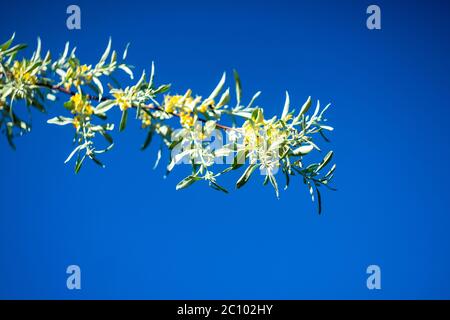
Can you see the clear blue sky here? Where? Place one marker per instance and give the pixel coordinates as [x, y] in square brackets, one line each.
[134, 236]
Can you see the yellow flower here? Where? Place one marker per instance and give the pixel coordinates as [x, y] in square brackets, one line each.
[171, 102]
[81, 106]
[186, 119]
[28, 77]
[201, 135]
[122, 101]
[88, 110]
[77, 76]
[252, 136]
[146, 119]
[76, 122]
[146, 123]
[81, 73]
[77, 100]
[118, 95]
[20, 74]
[84, 68]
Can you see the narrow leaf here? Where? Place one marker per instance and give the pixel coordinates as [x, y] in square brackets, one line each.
[99, 85]
[148, 140]
[106, 53]
[319, 201]
[246, 175]
[224, 99]
[123, 120]
[78, 148]
[218, 88]
[186, 182]
[152, 75]
[104, 106]
[217, 187]
[303, 150]
[305, 107]
[125, 53]
[127, 70]
[238, 88]
[79, 163]
[325, 161]
[60, 121]
[286, 106]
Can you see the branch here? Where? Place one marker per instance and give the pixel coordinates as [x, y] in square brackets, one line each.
[269, 144]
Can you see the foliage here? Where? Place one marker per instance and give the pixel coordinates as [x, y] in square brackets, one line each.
[279, 144]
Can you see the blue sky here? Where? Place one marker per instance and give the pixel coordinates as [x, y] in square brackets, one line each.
[135, 237]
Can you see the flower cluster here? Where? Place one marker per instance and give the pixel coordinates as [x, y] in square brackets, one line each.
[122, 100]
[20, 80]
[22, 73]
[187, 107]
[77, 76]
[274, 146]
[146, 118]
[79, 106]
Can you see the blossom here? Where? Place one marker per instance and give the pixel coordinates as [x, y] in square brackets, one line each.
[76, 123]
[170, 103]
[83, 69]
[122, 101]
[179, 103]
[80, 105]
[146, 119]
[77, 100]
[186, 119]
[77, 76]
[21, 74]
[251, 135]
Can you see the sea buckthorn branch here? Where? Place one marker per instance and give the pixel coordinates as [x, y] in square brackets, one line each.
[275, 145]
